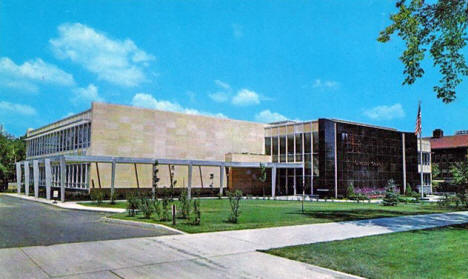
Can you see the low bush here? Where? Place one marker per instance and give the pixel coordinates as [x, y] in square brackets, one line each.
[350, 191]
[132, 204]
[165, 214]
[146, 206]
[196, 213]
[234, 202]
[184, 205]
[391, 197]
[97, 196]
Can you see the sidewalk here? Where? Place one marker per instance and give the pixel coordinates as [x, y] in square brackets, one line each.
[230, 254]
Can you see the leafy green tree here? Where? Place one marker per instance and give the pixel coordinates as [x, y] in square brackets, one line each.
[263, 176]
[459, 172]
[155, 179]
[437, 28]
[12, 150]
[435, 170]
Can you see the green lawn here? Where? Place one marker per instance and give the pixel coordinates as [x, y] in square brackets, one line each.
[269, 213]
[434, 253]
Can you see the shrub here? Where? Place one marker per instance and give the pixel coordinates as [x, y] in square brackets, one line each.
[220, 196]
[97, 196]
[409, 191]
[234, 201]
[196, 212]
[146, 206]
[132, 204]
[350, 190]
[165, 209]
[391, 197]
[444, 201]
[157, 208]
[184, 205]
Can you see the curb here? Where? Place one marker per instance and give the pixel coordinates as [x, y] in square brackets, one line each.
[140, 224]
[69, 205]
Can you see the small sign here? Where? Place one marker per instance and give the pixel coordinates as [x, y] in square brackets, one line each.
[55, 194]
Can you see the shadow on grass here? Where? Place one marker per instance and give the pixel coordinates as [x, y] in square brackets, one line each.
[355, 214]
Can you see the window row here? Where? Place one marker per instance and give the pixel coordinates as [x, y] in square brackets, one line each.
[73, 138]
[291, 148]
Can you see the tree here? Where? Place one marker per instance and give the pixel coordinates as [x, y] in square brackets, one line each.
[459, 172]
[391, 197]
[12, 150]
[263, 176]
[438, 29]
[435, 170]
[155, 178]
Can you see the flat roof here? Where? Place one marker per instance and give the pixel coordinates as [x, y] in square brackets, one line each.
[449, 141]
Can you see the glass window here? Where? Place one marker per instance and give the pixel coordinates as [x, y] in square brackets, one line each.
[268, 146]
[282, 148]
[299, 147]
[290, 148]
[275, 149]
[307, 143]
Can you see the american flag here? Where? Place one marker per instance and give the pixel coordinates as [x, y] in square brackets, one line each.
[417, 130]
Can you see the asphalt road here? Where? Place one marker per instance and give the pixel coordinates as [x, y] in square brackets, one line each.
[28, 223]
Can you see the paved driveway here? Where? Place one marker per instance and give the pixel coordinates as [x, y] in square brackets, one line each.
[28, 223]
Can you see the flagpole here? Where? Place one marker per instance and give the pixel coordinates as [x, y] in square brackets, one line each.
[421, 154]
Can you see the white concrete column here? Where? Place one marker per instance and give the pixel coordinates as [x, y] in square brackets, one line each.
[26, 178]
[63, 173]
[36, 178]
[113, 178]
[189, 183]
[18, 177]
[273, 181]
[48, 177]
[221, 178]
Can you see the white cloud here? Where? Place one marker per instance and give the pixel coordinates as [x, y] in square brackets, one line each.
[31, 73]
[223, 95]
[245, 97]
[325, 84]
[219, 97]
[385, 112]
[237, 31]
[267, 116]
[222, 84]
[88, 94]
[17, 108]
[115, 61]
[148, 101]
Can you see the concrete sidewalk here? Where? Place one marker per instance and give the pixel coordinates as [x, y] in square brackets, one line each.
[231, 254]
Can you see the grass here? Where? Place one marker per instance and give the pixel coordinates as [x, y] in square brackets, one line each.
[269, 213]
[433, 253]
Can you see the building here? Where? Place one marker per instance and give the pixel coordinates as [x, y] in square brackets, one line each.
[339, 153]
[447, 150]
[113, 147]
[426, 165]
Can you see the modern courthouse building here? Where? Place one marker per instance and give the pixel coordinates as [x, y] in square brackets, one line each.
[113, 147]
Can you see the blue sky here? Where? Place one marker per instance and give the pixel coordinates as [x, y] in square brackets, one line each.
[250, 60]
